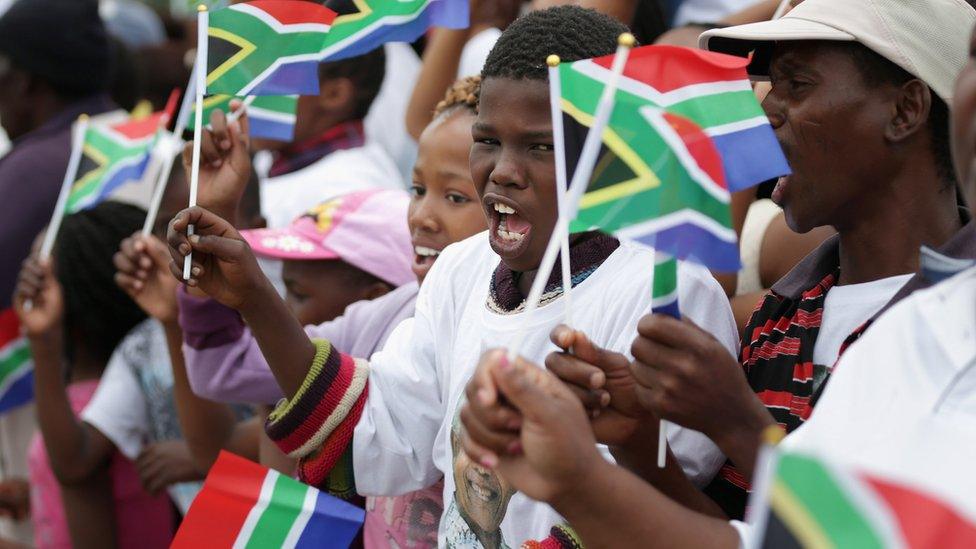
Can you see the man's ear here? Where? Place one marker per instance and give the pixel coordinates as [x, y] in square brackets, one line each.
[913, 102]
[336, 94]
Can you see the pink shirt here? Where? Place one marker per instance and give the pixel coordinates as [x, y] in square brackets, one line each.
[142, 521]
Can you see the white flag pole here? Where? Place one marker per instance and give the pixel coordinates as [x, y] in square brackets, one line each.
[581, 178]
[170, 147]
[200, 87]
[559, 145]
[77, 145]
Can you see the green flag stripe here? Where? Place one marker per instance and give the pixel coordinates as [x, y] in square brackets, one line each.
[14, 357]
[623, 212]
[665, 278]
[280, 107]
[276, 521]
[807, 497]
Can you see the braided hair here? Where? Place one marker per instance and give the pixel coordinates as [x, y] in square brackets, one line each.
[463, 94]
[95, 308]
[571, 32]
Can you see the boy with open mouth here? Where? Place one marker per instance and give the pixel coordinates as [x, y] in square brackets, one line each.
[391, 416]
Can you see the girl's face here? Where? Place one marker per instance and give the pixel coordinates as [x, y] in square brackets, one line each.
[444, 208]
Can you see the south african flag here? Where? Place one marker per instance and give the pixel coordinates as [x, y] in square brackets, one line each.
[685, 130]
[269, 116]
[816, 503]
[266, 47]
[113, 155]
[16, 366]
[364, 25]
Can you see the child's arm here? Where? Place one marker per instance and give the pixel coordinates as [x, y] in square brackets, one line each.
[89, 510]
[442, 58]
[76, 450]
[558, 463]
[207, 427]
[225, 269]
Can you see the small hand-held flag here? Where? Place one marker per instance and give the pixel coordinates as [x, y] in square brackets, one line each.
[268, 116]
[245, 505]
[265, 47]
[686, 129]
[16, 366]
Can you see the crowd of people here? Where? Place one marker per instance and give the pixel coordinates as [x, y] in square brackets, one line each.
[352, 292]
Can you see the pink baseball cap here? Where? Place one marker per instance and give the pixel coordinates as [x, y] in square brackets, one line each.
[367, 229]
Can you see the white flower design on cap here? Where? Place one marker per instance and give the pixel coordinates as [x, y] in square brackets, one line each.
[288, 243]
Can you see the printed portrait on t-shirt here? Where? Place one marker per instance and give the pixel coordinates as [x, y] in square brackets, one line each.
[479, 502]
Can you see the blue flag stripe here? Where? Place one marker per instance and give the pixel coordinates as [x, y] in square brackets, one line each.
[334, 524]
[750, 156]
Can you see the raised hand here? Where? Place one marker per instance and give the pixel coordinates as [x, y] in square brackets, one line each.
[142, 265]
[558, 448]
[603, 382]
[688, 377]
[42, 320]
[223, 265]
[225, 164]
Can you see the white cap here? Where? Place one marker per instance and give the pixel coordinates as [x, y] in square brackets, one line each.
[927, 38]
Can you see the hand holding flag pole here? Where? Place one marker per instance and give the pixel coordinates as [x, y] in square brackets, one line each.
[584, 170]
[200, 87]
[559, 144]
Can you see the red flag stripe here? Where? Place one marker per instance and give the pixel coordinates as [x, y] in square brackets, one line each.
[667, 68]
[700, 146]
[925, 521]
[292, 12]
[9, 327]
[220, 509]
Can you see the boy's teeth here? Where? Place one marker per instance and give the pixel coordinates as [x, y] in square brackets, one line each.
[502, 208]
[426, 252]
[509, 235]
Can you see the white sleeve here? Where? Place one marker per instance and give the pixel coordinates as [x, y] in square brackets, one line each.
[476, 51]
[702, 301]
[393, 443]
[118, 408]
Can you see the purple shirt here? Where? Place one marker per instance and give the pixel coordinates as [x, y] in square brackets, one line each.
[224, 362]
[30, 179]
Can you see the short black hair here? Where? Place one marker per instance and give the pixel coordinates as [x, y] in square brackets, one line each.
[877, 71]
[366, 73]
[95, 308]
[571, 32]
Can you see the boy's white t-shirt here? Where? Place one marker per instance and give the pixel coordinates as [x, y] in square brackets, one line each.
[846, 308]
[403, 441]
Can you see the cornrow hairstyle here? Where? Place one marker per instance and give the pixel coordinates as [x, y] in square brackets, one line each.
[571, 32]
[366, 72]
[95, 308]
[463, 94]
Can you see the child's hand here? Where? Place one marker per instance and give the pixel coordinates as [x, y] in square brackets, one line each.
[223, 265]
[225, 164]
[558, 448]
[498, 422]
[15, 498]
[142, 265]
[165, 463]
[603, 382]
[38, 285]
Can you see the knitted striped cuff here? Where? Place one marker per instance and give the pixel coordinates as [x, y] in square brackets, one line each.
[326, 407]
[560, 537]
